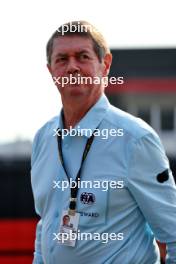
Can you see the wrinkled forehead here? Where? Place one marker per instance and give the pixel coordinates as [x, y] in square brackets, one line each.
[71, 44]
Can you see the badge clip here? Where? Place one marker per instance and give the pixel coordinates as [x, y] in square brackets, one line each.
[72, 207]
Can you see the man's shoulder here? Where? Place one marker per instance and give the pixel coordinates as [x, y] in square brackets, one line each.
[47, 129]
[43, 133]
[131, 125]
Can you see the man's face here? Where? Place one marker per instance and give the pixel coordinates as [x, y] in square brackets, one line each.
[66, 220]
[74, 55]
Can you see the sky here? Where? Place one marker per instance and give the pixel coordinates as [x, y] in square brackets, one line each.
[28, 97]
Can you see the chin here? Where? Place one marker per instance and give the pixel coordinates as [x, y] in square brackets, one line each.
[77, 93]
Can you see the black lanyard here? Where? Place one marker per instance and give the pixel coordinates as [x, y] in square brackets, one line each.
[73, 189]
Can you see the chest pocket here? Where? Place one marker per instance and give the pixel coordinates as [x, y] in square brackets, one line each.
[92, 206]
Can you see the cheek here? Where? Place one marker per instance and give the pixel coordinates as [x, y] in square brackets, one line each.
[93, 71]
[57, 71]
[98, 69]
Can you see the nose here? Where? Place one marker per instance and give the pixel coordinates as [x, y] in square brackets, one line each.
[73, 66]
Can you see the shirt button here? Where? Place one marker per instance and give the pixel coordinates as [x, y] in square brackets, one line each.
[51, 249]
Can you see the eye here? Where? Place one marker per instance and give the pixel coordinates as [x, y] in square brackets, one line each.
[84, 56]
[61, 59]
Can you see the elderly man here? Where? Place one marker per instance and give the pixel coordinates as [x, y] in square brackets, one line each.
[118, 191]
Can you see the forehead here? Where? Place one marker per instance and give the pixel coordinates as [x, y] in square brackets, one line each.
[71, 44]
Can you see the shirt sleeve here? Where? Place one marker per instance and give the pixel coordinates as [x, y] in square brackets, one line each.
[151, 183]
[37, 253]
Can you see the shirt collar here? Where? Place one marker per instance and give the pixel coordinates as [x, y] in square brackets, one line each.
[93, 117]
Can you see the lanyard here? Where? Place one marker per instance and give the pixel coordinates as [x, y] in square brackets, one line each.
[73, 189]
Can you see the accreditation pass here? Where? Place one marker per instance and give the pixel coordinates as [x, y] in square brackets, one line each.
[68, 229]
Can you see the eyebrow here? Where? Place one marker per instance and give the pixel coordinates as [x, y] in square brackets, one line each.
[66, 54]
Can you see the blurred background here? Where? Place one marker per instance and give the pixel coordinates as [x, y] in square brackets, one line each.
[143, 43]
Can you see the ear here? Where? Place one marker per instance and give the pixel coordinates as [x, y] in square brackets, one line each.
[107, 60]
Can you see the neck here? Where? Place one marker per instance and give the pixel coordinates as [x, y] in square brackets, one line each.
[75, 110]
